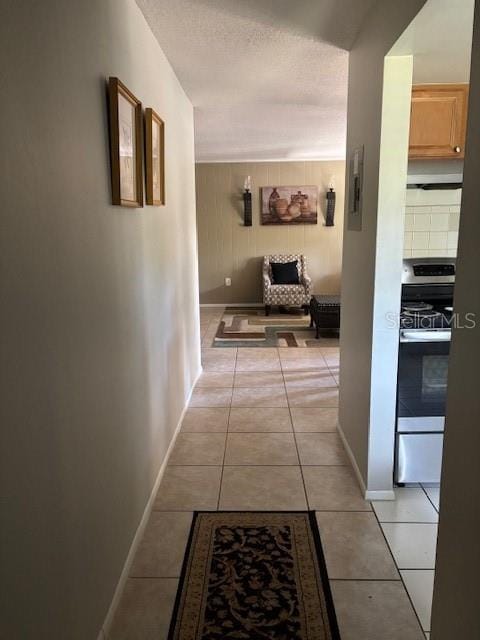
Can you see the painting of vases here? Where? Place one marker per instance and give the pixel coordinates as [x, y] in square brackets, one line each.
[289, 205]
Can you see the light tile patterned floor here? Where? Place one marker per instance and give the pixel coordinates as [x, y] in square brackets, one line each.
[260, 433]
[410, 527]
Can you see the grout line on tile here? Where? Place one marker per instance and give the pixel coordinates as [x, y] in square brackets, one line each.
[429, 499]
[396, 581]
[226, 436]
[327, 465]
[296, 447]
[266, 465]
[153, 577]
[406, 522]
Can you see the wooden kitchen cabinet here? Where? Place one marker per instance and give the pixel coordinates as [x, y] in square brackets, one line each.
[438, 121]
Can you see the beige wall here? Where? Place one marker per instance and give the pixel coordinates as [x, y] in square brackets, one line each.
[384, 25]
[457, 594]
[100, 337]
[229, 249]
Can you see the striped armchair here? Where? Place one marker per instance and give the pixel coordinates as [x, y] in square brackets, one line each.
[286, 294]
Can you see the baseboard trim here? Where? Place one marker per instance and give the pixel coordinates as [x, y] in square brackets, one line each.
[353, 462]
[233, 304]
[388, 494]
[106, 628]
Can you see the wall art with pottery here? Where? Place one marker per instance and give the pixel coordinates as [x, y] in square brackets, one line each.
[289, 205]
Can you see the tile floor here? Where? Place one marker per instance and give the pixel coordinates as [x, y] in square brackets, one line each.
[260, 433]
[409, 525]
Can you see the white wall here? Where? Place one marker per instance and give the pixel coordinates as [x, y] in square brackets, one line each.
[100, 326]
[440, 40]
[385, 23]
[397, 89]
[456, 593]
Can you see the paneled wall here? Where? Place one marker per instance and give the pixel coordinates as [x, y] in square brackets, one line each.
[431, 223]
[229, 249]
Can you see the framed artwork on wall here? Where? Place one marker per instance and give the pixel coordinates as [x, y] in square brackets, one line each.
[154, 158]
[125, 112]
[289, 205]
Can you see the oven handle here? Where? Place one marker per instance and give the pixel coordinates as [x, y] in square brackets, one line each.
[425, 336]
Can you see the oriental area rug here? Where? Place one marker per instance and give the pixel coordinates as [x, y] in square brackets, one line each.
[250, 327]
[254, 576]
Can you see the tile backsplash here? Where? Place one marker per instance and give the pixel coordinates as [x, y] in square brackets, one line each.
[431, 223]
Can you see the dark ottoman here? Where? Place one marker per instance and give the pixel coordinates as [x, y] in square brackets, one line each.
[325, 313]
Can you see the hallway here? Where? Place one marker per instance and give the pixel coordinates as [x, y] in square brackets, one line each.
[149, 188]
[260, 434]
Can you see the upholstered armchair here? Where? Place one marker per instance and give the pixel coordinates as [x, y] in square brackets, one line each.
[286, 294]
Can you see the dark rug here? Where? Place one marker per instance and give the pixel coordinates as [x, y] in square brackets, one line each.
[254, 576]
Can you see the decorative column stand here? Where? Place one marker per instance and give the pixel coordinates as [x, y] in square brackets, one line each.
[329, 220]
[247, 203]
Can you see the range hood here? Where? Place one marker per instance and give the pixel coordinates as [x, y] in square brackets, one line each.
[435, 174]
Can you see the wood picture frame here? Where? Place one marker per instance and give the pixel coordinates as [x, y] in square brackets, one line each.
[125, 111]
[154, 158]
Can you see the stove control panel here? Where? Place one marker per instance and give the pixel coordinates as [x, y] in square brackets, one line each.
[436, 271]
[429, 270]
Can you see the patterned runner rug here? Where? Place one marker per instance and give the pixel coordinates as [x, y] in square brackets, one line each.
[250, 327]
[254, 576]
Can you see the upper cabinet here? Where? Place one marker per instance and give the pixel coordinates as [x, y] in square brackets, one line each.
[438, 121]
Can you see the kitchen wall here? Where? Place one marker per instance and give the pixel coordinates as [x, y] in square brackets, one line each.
[229, 249]
[431, 222]
[100, 330]
[384, 25]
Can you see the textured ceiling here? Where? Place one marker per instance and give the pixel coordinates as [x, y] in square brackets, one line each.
[267, 78]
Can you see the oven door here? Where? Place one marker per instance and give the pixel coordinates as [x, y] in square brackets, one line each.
[418, 457]
[422, 380]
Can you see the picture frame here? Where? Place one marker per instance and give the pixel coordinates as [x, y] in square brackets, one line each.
[125, 111]
[289, 205]
[154, 158]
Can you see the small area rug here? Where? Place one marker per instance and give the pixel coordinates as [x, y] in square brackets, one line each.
[254, 576]
[250, 327]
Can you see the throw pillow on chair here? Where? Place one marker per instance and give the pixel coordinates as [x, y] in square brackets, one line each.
[285, 272]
